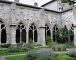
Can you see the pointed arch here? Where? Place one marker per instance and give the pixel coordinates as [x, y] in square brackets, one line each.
[21, 22]
[33, 23]
[21, 33]
[47, 31]
[3, 33]
[47, 34]
[55, 36]
[33, 33]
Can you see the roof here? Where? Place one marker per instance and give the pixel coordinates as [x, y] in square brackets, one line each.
[20, 4]
[31, 6]
[48, 3]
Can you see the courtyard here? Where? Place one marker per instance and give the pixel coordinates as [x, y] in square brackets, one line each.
[32, 32]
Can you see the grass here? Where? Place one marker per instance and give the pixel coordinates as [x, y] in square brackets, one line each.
[5, 52]
[21, 57]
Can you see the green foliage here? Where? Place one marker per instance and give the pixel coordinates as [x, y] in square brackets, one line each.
[31, 56]
[59, 47]
[72, 53]
[61, 35]
[63, 57]
[5, 45]
[71, 2]
[48, 40]
[41, 55]
[21, 48]
[21, 57]
[13, 49]
[70, 46]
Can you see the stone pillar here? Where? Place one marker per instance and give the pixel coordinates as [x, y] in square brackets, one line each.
[51, 34]
[41, 36]
[74, 35]
[8, 35]
[33, 35]
[74, 23]
[13, 35]
[0, 33]
[27, 35]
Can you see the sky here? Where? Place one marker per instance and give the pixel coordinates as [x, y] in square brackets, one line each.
[31, 2]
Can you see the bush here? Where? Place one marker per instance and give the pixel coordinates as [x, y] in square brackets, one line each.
[31, 56]
[59, 47]
[63, 57]
[25, 47]
[41, 55]
[29, 45]
[5, 45]
[72, 53]
[70, 46]
[13, 49]
[48, 40]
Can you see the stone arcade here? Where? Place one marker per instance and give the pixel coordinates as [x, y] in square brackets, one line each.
[23, 23]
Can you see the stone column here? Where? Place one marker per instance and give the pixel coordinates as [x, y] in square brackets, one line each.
[27, 35]
[41, 36]
[0, 33]
[33, 35]
[51, 34]
[13, 35]
[8, 35]
[74, 23]
[74, 35]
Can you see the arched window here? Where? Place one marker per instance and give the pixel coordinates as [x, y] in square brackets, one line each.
[3, 33]
[47, 31]
[33, 33]
[47, 35]
[21, 33]
[55, 33]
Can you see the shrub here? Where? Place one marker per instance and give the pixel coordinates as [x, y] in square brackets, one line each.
[31, 56]
[29, 45]
[41, 55]
[13, 49]
[59, 47]
[63, 57]
[70, 46]
[48, 40]
[5, 45]
[72, 53]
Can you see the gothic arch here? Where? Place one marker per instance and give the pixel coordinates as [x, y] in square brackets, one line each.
[55, 29]
[3, 32]
[34, 24]
[21, 22]
[2, 21]
[33, 33]
[21, 33]
[47, 30]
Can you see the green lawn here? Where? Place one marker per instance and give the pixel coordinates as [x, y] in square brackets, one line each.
[21, 57]
[5, 52]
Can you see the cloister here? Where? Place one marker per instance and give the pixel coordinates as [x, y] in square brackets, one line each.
[21, 23]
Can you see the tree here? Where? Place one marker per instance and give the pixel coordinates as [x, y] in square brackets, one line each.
[71, 2]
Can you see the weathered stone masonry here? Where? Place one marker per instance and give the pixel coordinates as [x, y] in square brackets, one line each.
[13, 14]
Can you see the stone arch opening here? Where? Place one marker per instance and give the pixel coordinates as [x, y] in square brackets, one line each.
[21, 33]
[55, 31]
[32, 33]
[3, 33]
[47, 34]
[47, 31]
